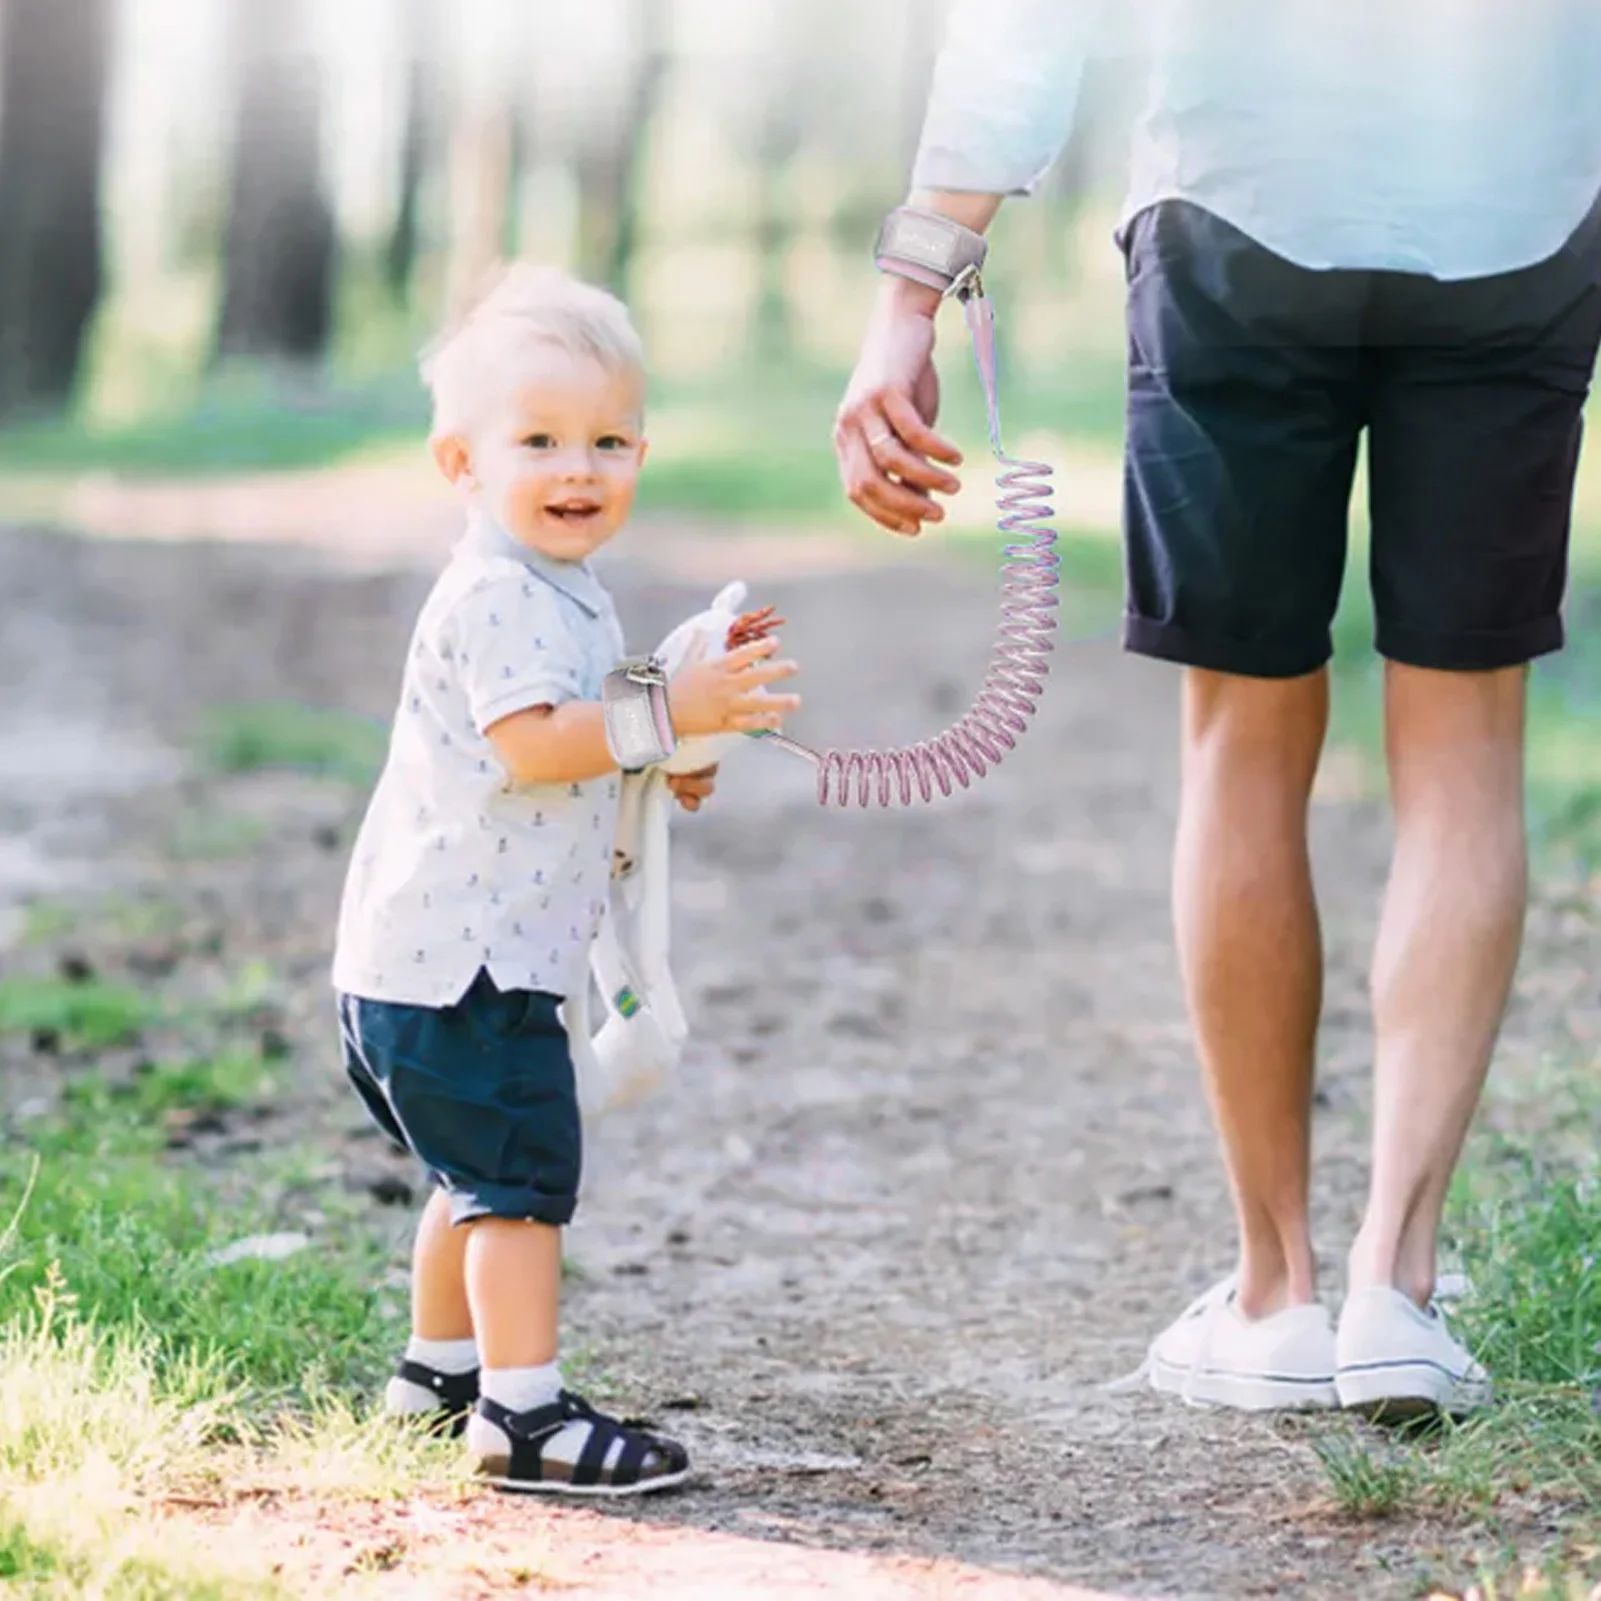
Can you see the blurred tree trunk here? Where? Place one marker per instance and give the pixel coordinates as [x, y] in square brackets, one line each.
[53, 59]
[484, 160]
[772, 331]
[279, 246]
[419, 133]
[610, 163]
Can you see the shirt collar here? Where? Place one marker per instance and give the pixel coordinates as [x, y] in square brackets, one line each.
[575, 579]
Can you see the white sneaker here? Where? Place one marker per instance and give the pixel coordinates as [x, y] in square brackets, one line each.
[1391, 1357]
[1215, 1356]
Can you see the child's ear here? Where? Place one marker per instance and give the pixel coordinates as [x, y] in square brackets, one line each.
[644, 450]
[452, 456]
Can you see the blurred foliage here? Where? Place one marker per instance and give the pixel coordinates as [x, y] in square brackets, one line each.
[727, 169]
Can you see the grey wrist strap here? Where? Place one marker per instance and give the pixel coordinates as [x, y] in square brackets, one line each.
[639, 726]
[931, 249]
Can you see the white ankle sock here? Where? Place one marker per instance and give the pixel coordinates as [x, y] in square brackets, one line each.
[521, 1390]
[444, 1356]
[402, 1398]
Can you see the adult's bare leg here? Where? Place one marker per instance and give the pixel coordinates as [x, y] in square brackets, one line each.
[1447, 949]
[1250, 950]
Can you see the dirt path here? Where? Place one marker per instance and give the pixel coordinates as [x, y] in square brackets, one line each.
[938, 1163]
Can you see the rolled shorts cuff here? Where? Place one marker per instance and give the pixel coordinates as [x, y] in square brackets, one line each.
[1245, 658]
[469, 1202]
[1470, 653]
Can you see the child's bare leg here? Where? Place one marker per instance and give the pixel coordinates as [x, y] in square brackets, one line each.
[513, 1284]
[441, 1363]
[514, 1287]
[439, 1307]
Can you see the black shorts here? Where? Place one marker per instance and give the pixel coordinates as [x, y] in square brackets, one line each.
[481, 1092]
[1251, 380]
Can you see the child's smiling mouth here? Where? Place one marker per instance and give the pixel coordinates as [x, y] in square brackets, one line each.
[578, 510]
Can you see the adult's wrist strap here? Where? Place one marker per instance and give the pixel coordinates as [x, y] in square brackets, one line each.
[931, 249]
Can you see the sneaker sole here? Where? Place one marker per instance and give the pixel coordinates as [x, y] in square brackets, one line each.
[665, 1481]
[1258, 1392]
[1405, 1390]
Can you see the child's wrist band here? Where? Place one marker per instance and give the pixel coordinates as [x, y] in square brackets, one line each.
[639, 726]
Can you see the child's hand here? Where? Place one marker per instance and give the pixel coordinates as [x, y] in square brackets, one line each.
[691, 789]
[724, 696]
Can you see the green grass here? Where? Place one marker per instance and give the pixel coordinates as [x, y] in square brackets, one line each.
[81, 1016]
[97, 1427]
[132, 1367]
[1535, 1257]
[1367, 1481]
[1525, 1222]
[129, 1230]
[296, 738]
[753, 442]
[250, 431]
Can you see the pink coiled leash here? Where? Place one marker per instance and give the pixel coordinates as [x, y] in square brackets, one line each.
[1015, 676]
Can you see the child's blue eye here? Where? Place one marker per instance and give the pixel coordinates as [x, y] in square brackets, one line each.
[614, 442]
[539, 441]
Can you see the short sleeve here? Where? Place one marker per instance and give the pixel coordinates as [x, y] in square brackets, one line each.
[511, 648]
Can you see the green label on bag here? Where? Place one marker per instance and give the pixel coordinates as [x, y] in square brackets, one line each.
[626, 1001]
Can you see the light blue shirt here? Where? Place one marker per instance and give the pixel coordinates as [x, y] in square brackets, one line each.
[1456, 138]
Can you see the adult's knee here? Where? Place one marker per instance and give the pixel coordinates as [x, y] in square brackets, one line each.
[1263, 732]
[1456, 739]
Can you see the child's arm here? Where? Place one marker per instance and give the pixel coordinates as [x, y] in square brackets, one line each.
[566, 744]
[563, 744]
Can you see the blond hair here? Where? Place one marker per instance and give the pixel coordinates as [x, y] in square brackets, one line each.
[470, 368]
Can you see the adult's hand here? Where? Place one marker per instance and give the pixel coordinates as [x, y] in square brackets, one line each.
[884, 437]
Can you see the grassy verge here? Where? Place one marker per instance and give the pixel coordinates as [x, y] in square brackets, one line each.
[1526, 1210]
[1526, 1227]
[754, 442]
[139, 1377]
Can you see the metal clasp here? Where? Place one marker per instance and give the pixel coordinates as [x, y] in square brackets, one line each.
[967, 283]
[651, 671]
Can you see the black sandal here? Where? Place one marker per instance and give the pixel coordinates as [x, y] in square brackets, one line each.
[646, 1462]
[457, 1392]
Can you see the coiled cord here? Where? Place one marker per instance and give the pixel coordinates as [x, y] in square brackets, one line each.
[1019, 659]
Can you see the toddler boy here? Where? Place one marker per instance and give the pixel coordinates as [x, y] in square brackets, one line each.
[481, 869]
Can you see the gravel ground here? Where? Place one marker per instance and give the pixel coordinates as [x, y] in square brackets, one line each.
[937, 1163]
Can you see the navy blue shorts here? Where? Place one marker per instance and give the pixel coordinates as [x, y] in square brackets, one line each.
[481, 1092]
[1250, 382]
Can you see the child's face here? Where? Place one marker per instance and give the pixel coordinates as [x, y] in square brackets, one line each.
[560, 465]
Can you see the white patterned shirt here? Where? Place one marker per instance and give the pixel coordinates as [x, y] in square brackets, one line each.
[455, 867]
